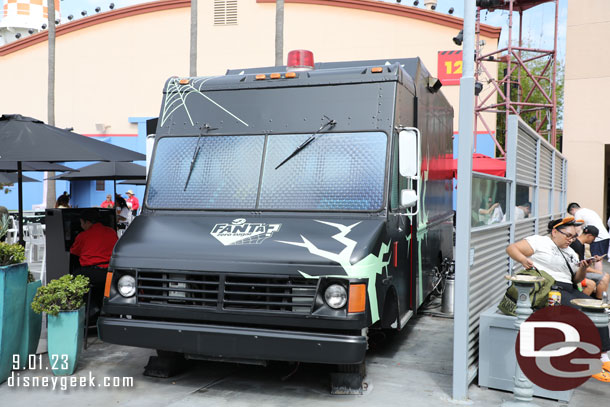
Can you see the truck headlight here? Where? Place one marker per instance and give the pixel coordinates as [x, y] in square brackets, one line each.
[335, 296]
[127, 286]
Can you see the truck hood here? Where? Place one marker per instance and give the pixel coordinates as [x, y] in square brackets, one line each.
[256, 245]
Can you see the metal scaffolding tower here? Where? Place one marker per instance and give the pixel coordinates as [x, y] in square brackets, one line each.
[536, 105]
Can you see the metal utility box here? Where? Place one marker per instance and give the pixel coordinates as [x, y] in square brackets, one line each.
[62, 226]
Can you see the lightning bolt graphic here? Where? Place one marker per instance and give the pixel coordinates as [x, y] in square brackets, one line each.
[367, 268]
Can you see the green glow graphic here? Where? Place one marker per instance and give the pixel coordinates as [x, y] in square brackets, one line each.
[367, 268]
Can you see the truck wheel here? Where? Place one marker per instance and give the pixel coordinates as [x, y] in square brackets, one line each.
[348, 379]
[166, 364]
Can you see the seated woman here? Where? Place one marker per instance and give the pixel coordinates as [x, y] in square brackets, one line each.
[553, 254]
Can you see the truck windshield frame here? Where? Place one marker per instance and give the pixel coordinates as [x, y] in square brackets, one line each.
[341, 172]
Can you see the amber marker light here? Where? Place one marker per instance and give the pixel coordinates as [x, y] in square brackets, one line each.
[260, 76]
[184, 82]
[377, 69]
[275, 76]
[291, 75]
[357, 298]
[108, 284]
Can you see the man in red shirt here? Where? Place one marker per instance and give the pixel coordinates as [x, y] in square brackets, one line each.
[133, 202]
[94, 246]
[108, 202]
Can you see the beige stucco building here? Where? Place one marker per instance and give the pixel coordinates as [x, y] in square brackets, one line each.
[586, 141]
[112, 65]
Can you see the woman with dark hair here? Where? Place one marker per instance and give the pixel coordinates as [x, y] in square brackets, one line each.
[63, 201]
[554, 255]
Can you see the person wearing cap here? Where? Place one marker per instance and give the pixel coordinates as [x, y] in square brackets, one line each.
[600, 246]
[94, 246]
[554, 255]
[108, 202]
[133, 202]
[599, 280]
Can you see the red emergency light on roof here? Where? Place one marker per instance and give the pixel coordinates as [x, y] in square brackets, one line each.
[300, 60]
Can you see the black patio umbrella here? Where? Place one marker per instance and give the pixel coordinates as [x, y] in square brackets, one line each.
[27, 139]
[12, 178]
[134, 182]
[11, 166]
[106, 170]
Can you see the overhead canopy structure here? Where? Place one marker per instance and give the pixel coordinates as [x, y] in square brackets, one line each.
[486, 165]
[26, 139]
[445, 166]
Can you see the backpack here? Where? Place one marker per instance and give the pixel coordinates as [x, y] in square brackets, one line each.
[539, 296]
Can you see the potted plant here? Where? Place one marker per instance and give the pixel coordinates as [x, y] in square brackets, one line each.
[13, 281]
[63, 300]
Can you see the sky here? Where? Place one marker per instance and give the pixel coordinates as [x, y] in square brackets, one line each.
[537, 27]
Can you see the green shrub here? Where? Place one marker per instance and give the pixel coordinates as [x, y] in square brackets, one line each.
[11, 254]
[64, 294]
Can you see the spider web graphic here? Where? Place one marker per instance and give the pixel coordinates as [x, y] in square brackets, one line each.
[176, 95]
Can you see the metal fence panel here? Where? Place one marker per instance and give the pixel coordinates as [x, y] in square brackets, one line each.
[546, 167]
[526, 158]
[533, 164]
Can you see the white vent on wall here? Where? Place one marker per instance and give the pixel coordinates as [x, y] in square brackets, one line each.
[225, 12]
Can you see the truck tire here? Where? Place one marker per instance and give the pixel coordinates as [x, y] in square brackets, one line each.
[348, 379]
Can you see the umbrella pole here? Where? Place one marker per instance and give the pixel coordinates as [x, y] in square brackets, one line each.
[20, 184]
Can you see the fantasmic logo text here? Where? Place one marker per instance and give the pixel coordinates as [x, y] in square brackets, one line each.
[240, 232]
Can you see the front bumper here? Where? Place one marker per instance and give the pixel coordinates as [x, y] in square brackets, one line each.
[234, 342]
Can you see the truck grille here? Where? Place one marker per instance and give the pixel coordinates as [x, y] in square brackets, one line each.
[226, 291]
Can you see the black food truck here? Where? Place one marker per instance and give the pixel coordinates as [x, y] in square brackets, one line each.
[286, 213]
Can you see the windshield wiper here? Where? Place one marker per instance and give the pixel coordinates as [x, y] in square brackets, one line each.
[196, 152]
[330, 124]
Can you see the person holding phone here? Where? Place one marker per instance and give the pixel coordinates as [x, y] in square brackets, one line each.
[599, 247]
[554, 255]
[599, 279]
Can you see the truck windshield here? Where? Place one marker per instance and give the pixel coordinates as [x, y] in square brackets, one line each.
[340, 171]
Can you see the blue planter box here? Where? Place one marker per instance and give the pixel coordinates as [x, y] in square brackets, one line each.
[13, 283]
[65, 340]
[32, 325]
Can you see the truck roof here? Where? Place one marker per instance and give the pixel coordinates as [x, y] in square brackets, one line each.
[408, 71]
[411, 65]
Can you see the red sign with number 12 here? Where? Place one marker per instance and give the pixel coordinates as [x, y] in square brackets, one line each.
[450, 67]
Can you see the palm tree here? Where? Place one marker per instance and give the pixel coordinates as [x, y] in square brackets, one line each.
[193, 58]
[279, 32]
[50, 198]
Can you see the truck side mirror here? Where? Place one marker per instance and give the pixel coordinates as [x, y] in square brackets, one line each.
[408, 198]
[409, 157]
[408, 152]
